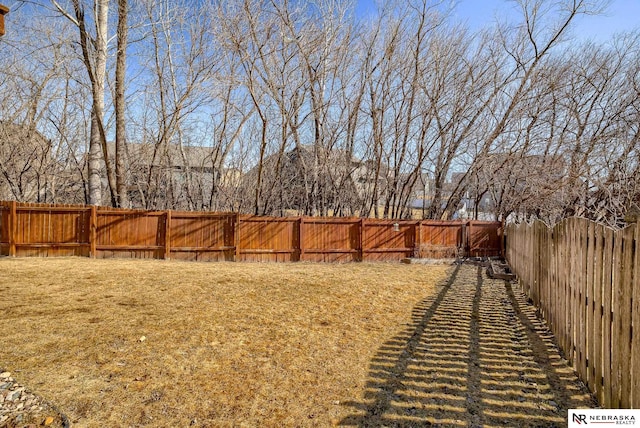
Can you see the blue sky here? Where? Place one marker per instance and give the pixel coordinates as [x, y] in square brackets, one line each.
[621, 15]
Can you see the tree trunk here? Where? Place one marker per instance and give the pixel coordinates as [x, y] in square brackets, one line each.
[97, 71]
[121, 63]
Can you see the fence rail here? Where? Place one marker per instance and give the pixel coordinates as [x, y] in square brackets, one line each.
[585, 278]
[39, 230]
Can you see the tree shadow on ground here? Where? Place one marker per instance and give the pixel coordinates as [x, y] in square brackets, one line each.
[474, 354]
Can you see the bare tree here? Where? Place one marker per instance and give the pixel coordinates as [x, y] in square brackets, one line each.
[94, 48]
[528, 45]
[37, 94]
[281, 107]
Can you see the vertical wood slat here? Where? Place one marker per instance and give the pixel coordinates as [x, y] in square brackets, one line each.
[616, 303]
[417, 239]
[93, 231]
[301, 237]
[555, 290]
[532, 250]
[564, 323]
[237, 238]
[501, 234]
[167, 235]
[469, 238]
[606, 318]
[571, 286]
[555, 237]
[623, 325]
[590, 306]
[361, 236]
[536, 256]
[542, 272]
[13, 227]
[597, 310]
[635, 338]
[577, 296]
[568, 233]
[551, 285]
[582, 298]
[550, 278]
[562, 266]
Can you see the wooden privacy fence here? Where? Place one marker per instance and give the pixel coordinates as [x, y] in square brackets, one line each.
[585, 278]
[61, 230]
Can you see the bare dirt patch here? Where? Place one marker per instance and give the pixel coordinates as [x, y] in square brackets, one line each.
[135, 343]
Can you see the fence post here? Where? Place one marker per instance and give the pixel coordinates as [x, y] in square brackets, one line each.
[167, 235]
[301, 237]
[236, 238]
[13, 227]
[502, 255]
[93, 231]
[468, 237]
[361, 237]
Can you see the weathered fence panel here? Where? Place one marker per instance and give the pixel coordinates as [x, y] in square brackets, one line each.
[200, 236]
[441, 239]
[268, 239]
[36, 230]
[130, 234]
[388, 240]
[485, 238]
[56, 230]
[585, 278]
[330, 240]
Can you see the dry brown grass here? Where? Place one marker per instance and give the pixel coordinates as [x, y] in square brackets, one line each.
[225, 344]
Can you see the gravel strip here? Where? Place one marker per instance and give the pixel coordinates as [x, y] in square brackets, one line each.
[19, 407]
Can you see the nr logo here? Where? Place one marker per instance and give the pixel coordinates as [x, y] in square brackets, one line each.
[579, 419]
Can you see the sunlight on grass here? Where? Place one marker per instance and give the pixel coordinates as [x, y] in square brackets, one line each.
[157, 343]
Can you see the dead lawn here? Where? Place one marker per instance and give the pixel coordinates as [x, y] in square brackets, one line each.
[224, 344]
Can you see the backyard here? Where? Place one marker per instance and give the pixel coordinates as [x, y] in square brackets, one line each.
[224, 343]
[157, 343]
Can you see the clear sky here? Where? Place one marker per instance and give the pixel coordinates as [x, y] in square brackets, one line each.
[622, 15]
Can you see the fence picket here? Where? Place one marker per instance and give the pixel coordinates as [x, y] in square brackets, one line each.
[607, 282]
[616, 319]
[590, 327]
[635, 338]
[625, 294]
[583, 227]
[597, 309]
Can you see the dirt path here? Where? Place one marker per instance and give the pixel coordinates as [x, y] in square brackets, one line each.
[475, 354]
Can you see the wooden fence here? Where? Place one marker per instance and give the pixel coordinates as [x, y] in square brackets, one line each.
[63, 230]
[585, 278]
